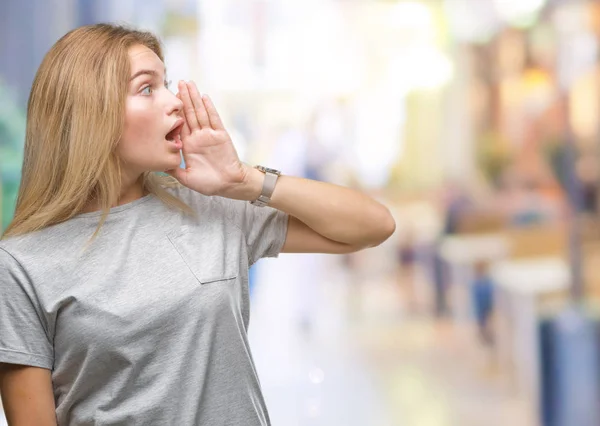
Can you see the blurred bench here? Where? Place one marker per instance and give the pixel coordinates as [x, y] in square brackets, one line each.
[463, 251]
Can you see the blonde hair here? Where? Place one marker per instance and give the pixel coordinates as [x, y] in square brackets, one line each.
[75, 118]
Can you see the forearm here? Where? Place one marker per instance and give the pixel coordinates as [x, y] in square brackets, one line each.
[338, 213]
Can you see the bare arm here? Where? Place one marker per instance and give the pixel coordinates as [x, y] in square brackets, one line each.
[326, 218]
[27, 395]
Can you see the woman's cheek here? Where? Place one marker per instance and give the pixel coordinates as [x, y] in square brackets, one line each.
[139, 120]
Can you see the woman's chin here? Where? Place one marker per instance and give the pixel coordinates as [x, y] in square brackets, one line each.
[174, 159]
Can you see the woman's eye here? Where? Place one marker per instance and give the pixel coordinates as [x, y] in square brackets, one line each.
[146, 91]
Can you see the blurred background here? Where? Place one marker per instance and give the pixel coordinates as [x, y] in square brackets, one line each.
[476, 121]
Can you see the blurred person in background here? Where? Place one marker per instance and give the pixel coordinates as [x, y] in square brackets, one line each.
[482, 296]
[124, 296]
[407, 252]
[588, 174]
[455, 203]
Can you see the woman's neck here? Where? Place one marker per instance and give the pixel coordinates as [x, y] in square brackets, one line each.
[130, 192]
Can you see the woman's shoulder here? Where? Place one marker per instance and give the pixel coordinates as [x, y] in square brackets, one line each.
[15, 248]
[11, 250]
[44, 245]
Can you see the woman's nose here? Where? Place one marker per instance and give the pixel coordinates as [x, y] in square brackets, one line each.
[176, 104]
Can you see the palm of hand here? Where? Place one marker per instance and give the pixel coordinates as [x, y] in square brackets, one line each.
[212, 163]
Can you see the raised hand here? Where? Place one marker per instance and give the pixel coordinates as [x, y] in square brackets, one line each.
[212, 164]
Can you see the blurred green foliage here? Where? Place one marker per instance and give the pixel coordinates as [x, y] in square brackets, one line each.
[12, 138]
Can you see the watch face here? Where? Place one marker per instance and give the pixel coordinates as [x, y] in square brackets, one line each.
[268, 170]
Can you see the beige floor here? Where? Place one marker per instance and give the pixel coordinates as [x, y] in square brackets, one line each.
[367, 360]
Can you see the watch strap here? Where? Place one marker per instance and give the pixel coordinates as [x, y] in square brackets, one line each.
[269, 182]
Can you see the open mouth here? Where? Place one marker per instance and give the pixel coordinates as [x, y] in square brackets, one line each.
[174, 134]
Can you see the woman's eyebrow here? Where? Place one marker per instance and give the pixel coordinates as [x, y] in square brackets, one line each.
[153, 73]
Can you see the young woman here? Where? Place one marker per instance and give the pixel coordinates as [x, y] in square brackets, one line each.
[123, 292]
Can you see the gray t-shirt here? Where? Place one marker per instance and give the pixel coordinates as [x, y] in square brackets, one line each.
[149, 325]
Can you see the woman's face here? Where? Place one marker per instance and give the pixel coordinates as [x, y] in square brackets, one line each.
[148, 142]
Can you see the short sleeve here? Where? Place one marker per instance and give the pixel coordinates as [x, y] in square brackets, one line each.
[265, 228]
[23, 336]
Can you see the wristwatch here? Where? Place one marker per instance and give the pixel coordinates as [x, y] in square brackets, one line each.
[271, 176]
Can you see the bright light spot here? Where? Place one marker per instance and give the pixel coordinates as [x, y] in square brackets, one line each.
[420, 68]
[411, 14]
[473, 21]
[519, 12]
[378, 137]
[316, 376]
[313, 407]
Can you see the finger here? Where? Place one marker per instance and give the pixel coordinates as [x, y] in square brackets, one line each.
[201, 113]
[213, 115]
[188, 107]
[185, 130]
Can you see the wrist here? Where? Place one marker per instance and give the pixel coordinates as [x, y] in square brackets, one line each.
[270, 177]
[253, 184]
[248, 188]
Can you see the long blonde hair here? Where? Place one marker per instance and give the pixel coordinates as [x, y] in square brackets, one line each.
[75, 118]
